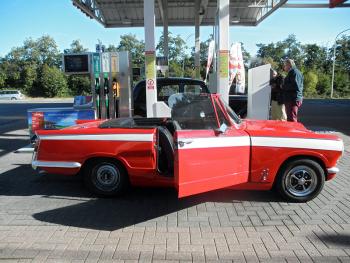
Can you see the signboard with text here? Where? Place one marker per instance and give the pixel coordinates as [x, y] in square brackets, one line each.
[76, 63]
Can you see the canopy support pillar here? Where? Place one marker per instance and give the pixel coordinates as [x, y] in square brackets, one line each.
[222, 52]
[150, 56]
[197, 40]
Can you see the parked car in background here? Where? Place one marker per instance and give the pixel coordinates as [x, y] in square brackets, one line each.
[169, 86]
[11, 95]
[165, 88]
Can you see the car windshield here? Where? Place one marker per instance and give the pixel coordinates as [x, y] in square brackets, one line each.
[234, 117]
[192, 111]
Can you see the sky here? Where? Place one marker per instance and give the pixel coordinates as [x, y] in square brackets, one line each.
[23, 19]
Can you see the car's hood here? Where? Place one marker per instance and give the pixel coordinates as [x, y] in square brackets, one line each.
[282, 129]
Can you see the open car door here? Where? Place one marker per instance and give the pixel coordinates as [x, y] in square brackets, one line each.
[206, 159]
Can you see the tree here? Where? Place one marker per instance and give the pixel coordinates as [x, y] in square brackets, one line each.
[315, 57]
[29, 77]
[76, 47]
[293, 50]
[12, 70]
[273, 53]
[310, 84]
[246, 56]
[342, 84]
[136, 48]
[343, 54]
[52, 82]
[177, 46]
[203, 56]
[276, 53]
[257, 61]
[79, 85]
[22, 64]
[41, 51]
[111, 48]
[323, 86]
[176, 56]
[2, 78]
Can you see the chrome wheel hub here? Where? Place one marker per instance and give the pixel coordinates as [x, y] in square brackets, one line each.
[107, 177]
[301, 181]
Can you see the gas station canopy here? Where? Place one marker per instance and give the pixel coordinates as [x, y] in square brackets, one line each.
[122, 13]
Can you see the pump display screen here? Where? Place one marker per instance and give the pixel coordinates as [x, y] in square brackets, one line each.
[77, 64]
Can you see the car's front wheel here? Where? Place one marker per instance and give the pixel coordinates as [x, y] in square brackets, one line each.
[105, 177]
[300, 180]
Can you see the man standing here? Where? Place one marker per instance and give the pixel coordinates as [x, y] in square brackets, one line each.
[292, 90]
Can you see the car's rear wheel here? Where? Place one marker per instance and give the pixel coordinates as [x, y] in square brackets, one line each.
[13, 98]
[300, 180]
[105, 177]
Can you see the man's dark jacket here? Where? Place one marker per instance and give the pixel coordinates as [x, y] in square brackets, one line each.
[293, 86]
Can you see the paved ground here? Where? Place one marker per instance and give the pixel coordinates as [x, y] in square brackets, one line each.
[54, 219]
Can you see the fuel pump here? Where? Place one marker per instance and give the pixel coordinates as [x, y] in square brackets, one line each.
[96, 83]
[111, 85]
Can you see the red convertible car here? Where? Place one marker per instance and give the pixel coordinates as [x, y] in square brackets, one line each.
[203, 146]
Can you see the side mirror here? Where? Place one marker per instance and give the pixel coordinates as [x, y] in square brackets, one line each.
[221, 130]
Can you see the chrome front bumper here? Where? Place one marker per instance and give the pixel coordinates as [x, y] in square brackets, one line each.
[332, 170]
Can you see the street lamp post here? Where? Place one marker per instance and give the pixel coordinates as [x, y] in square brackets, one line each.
[183, 61]
[335, 45]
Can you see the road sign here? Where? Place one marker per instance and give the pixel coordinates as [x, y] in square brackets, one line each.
[150, 84]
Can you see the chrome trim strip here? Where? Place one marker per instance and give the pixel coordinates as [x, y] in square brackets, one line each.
[56, 164]
[300, 143]
[213, 142]
[135, 137]
[333, 170]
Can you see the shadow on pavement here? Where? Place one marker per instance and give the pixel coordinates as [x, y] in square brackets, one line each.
[341, 240]
[11, 145]
[24, 181]
[139, 205]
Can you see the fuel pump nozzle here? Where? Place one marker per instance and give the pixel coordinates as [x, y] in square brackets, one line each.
[97, 85]
[97, 91]
[106, 91]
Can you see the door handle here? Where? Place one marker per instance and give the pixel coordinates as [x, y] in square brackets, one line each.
[182, 143]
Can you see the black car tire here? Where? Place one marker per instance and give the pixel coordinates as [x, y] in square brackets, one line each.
[13, 98]
[105, 177]
[300, 180]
